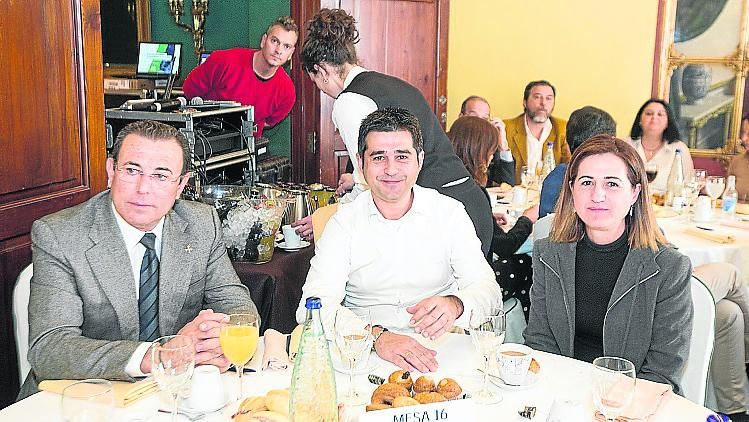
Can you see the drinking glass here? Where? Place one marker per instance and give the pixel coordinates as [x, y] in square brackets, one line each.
[172, 363]
[238, 339]
[651, 171]
[714, 188]
[691, 190]
[526, 177]
[88, 400]
[353, 336]
[487, 333]
[613, 385]
[700, 176]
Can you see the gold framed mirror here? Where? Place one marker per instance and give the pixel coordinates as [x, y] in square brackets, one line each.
[701, 70]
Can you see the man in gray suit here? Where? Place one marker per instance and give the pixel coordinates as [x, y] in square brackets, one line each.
[102, 291]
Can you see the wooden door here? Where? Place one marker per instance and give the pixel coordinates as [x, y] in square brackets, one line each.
[51, 133]
[403, 38]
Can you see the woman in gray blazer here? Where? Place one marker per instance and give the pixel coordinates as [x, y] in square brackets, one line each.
[606, 282]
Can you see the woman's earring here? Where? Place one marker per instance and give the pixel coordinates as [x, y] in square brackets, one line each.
[630, 210]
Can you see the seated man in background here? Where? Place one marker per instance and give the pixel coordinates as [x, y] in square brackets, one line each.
[739, 166]
[129, 265]
[528, 133]
[502, 168]
[584, 124]
[251, 77]
[409, 254]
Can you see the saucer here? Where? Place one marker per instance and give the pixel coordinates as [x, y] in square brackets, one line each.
[303, 244]
[530, 380]
[184, 405]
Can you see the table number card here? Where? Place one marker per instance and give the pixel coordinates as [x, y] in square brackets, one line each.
[447, 411]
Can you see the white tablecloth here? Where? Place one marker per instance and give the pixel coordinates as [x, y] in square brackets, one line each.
[560, 378]
[702, 251]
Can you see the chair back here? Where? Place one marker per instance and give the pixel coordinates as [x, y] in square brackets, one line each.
[542, 226]
[320, 218]
[694, 378]
[21, 319]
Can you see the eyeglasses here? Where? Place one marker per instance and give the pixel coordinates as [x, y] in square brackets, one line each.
[131, 174]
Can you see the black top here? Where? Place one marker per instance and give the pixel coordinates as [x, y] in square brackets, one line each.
[441, 165]
[597, 268]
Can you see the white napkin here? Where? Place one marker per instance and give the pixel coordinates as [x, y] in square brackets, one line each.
[274, 355]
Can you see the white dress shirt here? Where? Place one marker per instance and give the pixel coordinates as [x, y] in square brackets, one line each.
[135, 251]
[363, 259]
[349, 109]
[535, 146]
[664, 159]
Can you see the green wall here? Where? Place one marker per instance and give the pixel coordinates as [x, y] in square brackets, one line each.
[230, 23]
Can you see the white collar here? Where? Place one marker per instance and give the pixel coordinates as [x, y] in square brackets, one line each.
[354, 72]
[132, 236]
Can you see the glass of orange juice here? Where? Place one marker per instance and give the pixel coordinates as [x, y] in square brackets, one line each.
[238, 339]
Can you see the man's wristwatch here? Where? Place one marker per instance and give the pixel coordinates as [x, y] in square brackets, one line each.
[376, 335]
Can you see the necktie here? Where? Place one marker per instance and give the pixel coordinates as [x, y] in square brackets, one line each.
[148, 298]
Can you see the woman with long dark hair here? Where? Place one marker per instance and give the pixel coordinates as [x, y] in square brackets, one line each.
[655, 136]
[475, 141]
[329, 57]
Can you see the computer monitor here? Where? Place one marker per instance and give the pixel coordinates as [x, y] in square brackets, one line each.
[158, 59]
[204, 56]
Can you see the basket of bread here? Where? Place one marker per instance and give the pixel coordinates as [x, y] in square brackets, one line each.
[401, 390]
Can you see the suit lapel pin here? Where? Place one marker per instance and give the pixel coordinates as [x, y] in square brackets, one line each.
[188, 248]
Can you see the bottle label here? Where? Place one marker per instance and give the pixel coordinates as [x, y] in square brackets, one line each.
[447, 411]
[729, 205]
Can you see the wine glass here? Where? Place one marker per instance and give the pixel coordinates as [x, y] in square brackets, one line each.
[487, 333]
[651, 171]
[88, 400]
[172, 364]
[700, 176]
[353, 336]
[714, 188]
[526, 177]
[613, 385]
[238, 339]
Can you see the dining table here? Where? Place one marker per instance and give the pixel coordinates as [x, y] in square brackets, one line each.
[276, 286]
[688, 236]
[561, 385]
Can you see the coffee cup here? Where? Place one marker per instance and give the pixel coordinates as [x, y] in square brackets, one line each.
[207, 391]
[702, 209]
[514, 361]
[291, 237]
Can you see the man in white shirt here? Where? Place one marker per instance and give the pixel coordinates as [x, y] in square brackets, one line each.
[502, 169]
[409, 254]
[528, 133]
[131, 264]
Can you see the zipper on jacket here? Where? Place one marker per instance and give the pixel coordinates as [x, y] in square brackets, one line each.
[564, 297]
[617, 301]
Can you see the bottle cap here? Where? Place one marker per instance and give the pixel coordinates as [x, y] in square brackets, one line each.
[678, 151]
[313, 303]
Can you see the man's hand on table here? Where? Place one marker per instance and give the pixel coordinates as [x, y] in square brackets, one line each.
[204, 330]
[345, 183]
[406, 352]
[304, 227]
[435, 315]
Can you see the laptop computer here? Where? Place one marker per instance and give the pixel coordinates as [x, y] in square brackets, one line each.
[158, 60]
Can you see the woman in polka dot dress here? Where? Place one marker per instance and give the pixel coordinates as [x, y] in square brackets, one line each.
[475, 141]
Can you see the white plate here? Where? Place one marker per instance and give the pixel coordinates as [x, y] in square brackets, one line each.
[530, 380]
[302, 245]
[184, 405]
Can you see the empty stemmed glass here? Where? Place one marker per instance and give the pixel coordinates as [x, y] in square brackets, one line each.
[714, 188]
[88, 400]
[172, 364]
[613, 385]
[487, 333]
[353, 336]
[238, 339]
[700, 176]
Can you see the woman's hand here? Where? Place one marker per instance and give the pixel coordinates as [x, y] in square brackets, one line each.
[500, 218]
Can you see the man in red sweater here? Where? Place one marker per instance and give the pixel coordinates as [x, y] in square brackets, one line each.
[251, 77]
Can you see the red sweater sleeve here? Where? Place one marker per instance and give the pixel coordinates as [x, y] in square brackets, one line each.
[199, 83]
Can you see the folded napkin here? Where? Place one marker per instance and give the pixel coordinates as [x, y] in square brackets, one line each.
[713, 235]
[274, 353]
[742, 208]
[736, 224]
[664, 212]
[125, 393]
[648, 396]
[296, 336]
